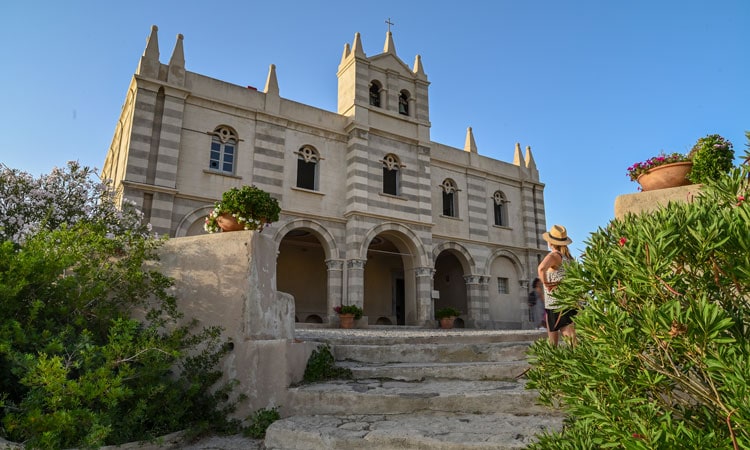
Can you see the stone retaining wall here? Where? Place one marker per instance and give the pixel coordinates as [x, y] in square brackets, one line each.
[229, 280]
[650, 200]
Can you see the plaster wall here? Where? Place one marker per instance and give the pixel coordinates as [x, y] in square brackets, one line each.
[506, 310]
[229, 280]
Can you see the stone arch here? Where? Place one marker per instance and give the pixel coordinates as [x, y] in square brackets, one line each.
[189, 219]
[467, 261]
[392, 283]
[306, 262]
[323, 235]
[453, 266]
[413, 242]
[522, 275]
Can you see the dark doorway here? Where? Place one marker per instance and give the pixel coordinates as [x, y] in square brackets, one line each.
[399, 298]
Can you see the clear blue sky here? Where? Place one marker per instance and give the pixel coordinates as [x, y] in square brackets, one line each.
[592, 86]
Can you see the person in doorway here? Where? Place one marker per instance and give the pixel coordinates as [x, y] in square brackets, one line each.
[551, 271]
[536, 296]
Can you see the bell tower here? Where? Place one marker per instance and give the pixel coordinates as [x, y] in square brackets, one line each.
[383, 92]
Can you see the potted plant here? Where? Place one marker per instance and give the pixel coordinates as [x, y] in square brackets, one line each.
[348, 314]
[447, 316]
[712, 157]
[661, 171]
[245, 208]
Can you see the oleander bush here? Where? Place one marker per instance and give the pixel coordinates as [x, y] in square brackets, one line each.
[663, 353]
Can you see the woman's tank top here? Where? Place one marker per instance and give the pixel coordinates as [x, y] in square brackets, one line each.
[553, 278]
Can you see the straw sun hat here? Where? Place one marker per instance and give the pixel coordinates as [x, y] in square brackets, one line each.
[557, 235]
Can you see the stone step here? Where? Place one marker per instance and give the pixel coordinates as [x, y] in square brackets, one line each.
[405, 335]
[373, 396]
[475, 371]
[444, 431]
[432, 352]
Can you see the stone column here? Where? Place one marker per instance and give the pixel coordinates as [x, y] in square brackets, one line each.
[477, 299]
[425, 313]
[335, 285]
[355, 271]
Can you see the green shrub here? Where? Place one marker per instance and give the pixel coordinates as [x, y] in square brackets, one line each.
[76, 369]
[663, 353]
[259, 421]
[443, 313]
[322, 366]
[253, 208]
[349, 309]
[712, 156]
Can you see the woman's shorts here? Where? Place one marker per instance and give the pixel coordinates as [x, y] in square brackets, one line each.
[557, 319]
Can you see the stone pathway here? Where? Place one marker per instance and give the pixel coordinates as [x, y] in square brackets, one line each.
[417, 389]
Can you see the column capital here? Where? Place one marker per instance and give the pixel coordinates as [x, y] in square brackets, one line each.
[424, 271]
[471, 279]
[476, 279]
[356, 263]
[335, 264]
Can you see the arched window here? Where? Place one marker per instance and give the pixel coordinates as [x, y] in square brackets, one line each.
[375, 89]
[391, 175]
[403, 103]
[223, 150]
[501, 209]
[450, 201]
[307, 168]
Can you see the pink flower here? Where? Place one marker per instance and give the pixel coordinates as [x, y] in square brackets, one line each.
[639, 168]
[622, 241]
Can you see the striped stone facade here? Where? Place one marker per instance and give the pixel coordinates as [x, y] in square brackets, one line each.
[351, 239]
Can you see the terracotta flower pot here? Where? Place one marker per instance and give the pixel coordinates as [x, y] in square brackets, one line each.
[447, 322]
[346, 320]
[227, 222]
[666, 176]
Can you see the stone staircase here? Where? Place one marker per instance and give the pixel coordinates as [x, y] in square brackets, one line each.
[417, 389]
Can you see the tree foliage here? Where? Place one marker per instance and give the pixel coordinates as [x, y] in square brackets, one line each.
[663, 353]
[92, 351]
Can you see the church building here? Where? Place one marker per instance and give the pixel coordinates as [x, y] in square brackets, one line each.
[373, 212]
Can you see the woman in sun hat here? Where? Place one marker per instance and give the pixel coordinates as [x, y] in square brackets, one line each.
[551, 271]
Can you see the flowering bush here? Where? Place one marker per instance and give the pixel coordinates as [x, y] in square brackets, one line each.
[253, 208]
[349, 309]
[639, 168]
[65, 196]
[661, 359]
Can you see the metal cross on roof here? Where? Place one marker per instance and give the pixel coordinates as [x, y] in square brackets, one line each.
[389, 24]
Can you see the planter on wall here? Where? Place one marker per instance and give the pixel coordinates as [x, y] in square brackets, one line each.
[346, 320]
[447, 322]
[227, 222]
[666, 176]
